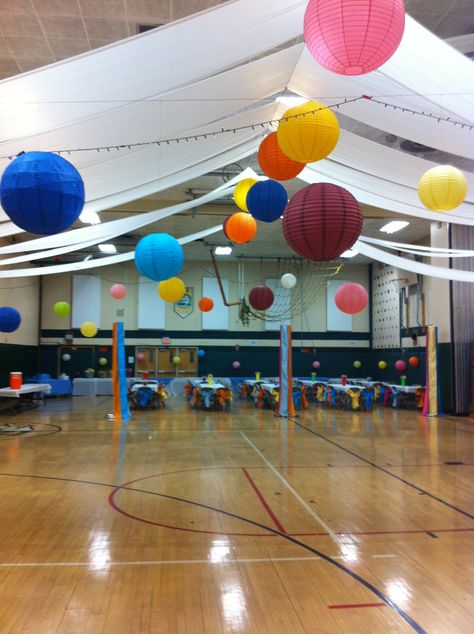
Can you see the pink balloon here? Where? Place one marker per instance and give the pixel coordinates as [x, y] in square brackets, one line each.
[353, 37]
[316, 365]
[140, 356]
[400, 365]
[236, 365]
[351, 298]
[118, 291]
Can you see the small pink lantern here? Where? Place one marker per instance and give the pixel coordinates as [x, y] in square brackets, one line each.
[118, 291]
[236, 365]
[351, 298]
[140, 356]
[400, 365]
[316, 365]
[353, 37]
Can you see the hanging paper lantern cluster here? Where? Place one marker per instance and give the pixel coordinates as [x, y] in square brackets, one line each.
[442, 188]
[42, 193]
[118, 291]
[10, 319]
[322, 221]
[171, 290]
[241, 191]
[266, 200]
[159, 256]
[240, 227]
[88, 329]
[274, 163]
[288, 280]
[261, 297]
[351, 298]
[400, 365]
[414, 362]
[308, 132]
[61, 309]
[353, 37]
[205, 304]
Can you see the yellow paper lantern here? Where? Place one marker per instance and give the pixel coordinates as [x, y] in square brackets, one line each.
[176, 360]
[171, 290]
[241, 191]
[382, 365]
[88, 329]
[442, 188]
[310, 137]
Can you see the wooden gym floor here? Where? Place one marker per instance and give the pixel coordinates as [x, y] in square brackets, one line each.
[191, 522]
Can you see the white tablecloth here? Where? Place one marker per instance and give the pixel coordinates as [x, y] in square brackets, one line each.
[27, 388]
[97, 387]
[407, 389]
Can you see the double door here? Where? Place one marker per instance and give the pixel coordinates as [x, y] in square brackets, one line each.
[160, 361]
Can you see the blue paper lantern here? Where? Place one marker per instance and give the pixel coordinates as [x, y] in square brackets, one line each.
[266, 200]
[42, 193]
[201, 353]
[159, 256]
[10, 319]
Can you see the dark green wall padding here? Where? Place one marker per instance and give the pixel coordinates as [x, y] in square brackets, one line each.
[16, 358]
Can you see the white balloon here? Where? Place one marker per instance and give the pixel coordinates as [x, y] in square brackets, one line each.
[288, 280]
[66, 357]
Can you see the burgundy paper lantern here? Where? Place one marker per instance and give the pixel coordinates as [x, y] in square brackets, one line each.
[400, 365]
[351, 298]
[353, 37]
[322, 221]
[261, 297]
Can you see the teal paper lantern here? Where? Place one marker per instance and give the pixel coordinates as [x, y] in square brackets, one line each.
[159, 256]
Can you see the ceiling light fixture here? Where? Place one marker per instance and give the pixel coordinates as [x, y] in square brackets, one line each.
[290, 100]
[394, 226]
[223, 250]
[107, 248]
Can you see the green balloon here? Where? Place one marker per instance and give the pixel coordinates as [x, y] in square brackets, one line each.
[62, 309]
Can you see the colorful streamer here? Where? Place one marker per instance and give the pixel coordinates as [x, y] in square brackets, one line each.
[119, 379]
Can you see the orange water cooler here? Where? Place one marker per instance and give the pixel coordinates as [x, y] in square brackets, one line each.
[16, 380]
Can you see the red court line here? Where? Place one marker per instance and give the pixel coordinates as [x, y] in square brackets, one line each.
[265, 504]
[356, 605]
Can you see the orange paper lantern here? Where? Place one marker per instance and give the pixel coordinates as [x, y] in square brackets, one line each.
[274, 163]
[205, 304]
[240, 227]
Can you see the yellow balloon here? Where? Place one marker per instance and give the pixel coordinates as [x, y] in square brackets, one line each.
[241, 191]
[171, 290]
[311, 137]
[382, 365]
[88, 329]
[442, 188]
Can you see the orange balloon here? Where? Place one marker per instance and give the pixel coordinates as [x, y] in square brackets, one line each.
[240, 227]
[274, 163]
[205, 304]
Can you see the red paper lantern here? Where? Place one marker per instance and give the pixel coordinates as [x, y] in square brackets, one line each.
[351, 298]
[274, 163]
[353, 37]
[414, 362]
[205, 304]
[322, 221]
[240, 227]
[261, 297]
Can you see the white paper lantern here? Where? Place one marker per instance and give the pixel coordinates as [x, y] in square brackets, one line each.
[288, 280]
[66, 357]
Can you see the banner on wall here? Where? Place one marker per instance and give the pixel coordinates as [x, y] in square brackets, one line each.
[185, 306]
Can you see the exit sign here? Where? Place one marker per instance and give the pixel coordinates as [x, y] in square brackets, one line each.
[166, 340]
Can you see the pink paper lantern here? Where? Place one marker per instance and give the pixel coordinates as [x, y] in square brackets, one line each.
[353, 37]
[316, 365]
[118, 291]
[400, 365]
[140, 356]
[351, 298]
[236, 365]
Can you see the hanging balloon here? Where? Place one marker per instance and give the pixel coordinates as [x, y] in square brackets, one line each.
[205, 304]
[442, 188]
[236, 365]
[414, 362]
[308, 133]
[353, 38]
[357, 364]
[159, 256]
[42, 193]
[351, 298]
[66, 357]
[102, 361]
[322, 221]
[140, 356]
[176, 360]
[88, 329]
[201, 353]
[10, 319]
[61, 309]
[400, 365]
[288, 280]
[171, 290]
[261, 297]
[266, 200]
[241, 227]
[382, 365]
[316, 365]
[241, 191]
[274, 162]
[118, 291]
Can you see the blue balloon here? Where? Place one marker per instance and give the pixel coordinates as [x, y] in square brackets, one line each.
[266, 200]
[10, 319]
[159, 256]
[201, 353]
[42, 193]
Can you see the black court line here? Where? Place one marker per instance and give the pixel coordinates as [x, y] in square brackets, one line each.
[413, 624]
[393, 475]
[35, 433]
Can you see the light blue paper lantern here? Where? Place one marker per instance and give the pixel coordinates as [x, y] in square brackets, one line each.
[201, 353]
[159, 256]
[42, 193]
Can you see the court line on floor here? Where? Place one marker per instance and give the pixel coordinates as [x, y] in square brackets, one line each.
[263, 501]
[296, 495]
[369, 586]
[393, 475]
